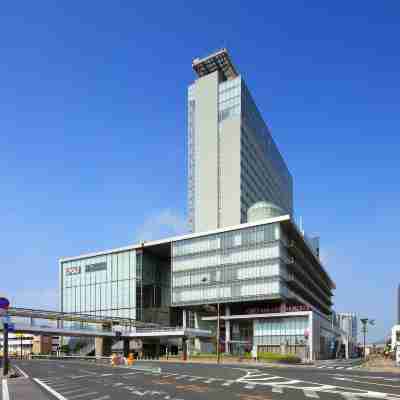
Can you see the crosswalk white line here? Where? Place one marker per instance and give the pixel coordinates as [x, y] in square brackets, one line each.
[310, 393]
[82, 395]
[73, 391]
[293, 382]
[228, 383]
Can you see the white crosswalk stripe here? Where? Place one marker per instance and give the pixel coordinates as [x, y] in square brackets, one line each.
[311, 393]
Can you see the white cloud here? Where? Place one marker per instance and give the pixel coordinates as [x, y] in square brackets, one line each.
[162, 224]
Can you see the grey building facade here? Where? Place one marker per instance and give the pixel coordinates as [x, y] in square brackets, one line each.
[233, 161]
[273, 291]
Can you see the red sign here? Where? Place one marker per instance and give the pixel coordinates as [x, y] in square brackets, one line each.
[72, 270]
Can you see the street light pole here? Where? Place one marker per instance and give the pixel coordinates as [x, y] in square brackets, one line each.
[365, 322]
[5, 349]
[218, 334]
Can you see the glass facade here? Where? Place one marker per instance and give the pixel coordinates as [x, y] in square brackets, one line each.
[228, 266]
[103, 285]
[264, 174]
[280, 331]
[229, 98]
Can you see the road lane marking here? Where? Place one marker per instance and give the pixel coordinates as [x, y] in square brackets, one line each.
[6, 394]
[73, 391]
[228, 383]
[25, 375]
[366, 383]
[82, 395]
[277, 389]
[50, 390]
[106, 374]
[311, 393]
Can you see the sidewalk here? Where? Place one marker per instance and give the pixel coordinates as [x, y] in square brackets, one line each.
[380, 364]
[23, 389]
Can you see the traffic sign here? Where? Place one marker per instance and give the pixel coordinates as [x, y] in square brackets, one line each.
[11, 327]
[4, 303]
[6, 319]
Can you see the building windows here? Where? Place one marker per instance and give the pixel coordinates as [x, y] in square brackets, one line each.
[108, 290]
[235, 264]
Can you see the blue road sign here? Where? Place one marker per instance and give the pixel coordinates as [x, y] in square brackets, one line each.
[4, 303]
[11, 327]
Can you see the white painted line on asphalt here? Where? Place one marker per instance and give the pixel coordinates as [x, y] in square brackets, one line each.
[181, 376]
[73, 391]
[310, 393]
[106, 374]
[228, 383]
[268, 378]
[339, 367]
[25, 375]
[249, 387]
[80, 376]
[211, 380]
[293, 382]
[6, 395]
[50, 390]
[82, 395]
[277, 389]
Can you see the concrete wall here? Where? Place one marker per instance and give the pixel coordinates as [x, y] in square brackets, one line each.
[230, 171]
[206, 153]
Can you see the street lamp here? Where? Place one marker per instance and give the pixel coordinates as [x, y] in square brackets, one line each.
[365, 322]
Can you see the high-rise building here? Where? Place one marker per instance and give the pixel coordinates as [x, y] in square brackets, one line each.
[233, 161]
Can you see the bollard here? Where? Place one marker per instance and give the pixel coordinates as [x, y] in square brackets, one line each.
[114, 360]
[131, 359]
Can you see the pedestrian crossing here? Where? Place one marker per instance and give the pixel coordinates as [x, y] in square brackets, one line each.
[337, 367]
[252, 381]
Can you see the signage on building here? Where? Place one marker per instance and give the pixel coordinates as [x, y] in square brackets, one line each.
[72, 270]
[275, 309]
[96, 267]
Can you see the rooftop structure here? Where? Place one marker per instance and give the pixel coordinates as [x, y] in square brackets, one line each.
[219, 61]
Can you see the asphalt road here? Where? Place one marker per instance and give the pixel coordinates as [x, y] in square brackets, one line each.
[72, 380]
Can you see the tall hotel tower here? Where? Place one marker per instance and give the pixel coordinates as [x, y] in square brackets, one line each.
[233, 161]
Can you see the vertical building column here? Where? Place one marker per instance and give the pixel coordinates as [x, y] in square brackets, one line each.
[184, 319]
[311, 336]
[227, 329]
[103, 346]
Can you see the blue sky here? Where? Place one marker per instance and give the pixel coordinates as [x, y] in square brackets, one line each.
[93, 130]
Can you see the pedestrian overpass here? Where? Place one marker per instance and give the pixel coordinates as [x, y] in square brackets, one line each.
[105, 330]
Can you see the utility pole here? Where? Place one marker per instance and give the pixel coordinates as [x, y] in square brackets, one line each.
[365, 322]
[5, 349]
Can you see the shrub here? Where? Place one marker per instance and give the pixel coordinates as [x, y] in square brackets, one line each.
[277, 357]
